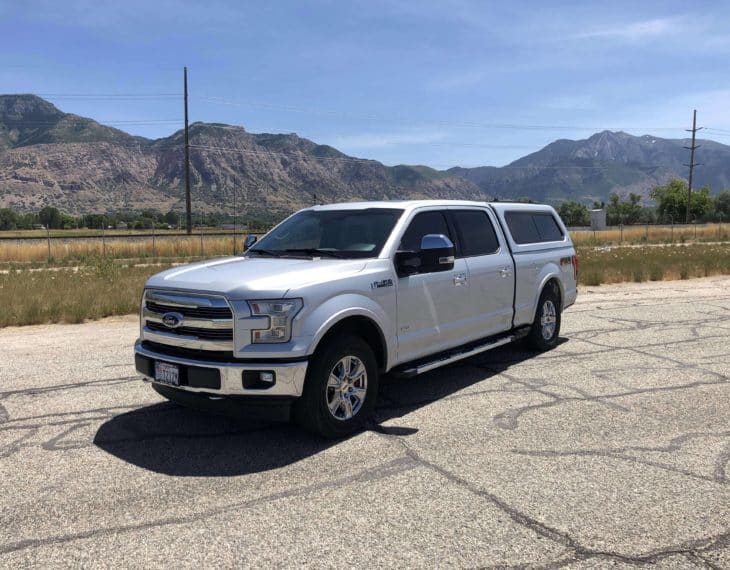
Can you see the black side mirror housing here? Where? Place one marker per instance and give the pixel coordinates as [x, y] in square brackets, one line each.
[249, 241]
[436, 254]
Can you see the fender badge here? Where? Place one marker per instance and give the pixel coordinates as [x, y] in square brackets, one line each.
[383, 283]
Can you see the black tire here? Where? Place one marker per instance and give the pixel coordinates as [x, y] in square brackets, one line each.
[313, 410]
[542, 336]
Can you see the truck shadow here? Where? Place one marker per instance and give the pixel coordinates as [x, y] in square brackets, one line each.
[173, 440]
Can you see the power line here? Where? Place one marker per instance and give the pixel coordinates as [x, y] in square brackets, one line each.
[390, 118]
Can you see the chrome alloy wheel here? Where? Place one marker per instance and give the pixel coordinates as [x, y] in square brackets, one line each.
[548, 319]
[347, 387]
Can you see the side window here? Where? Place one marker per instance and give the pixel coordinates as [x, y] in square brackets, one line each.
[533, 227]
[423, 224]
[547, 227]
[476, 233]
[522, 227]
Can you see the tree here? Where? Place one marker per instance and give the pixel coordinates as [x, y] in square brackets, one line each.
[8, 219]
[671, 202]
[172, 218]
[574, 213]
[624, 212]
[722, 205]
[50, 217]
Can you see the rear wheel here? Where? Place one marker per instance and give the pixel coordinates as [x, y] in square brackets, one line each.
[546, 327]
[340, 388]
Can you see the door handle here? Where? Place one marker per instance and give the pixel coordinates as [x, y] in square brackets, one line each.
[505, 272]
[459, 279]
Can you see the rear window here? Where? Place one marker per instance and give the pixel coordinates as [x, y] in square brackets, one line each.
[533, 227]
[476, 233]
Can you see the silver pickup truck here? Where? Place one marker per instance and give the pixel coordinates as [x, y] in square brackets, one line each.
[308, 319]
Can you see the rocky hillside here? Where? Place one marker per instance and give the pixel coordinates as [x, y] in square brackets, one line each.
[79, 165]
[50, 157]
[606, 162]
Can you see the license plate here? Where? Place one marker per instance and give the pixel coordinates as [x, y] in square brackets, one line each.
[167, 373]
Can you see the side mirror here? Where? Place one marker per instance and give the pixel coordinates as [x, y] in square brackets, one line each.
[249, 241]
[436, 254]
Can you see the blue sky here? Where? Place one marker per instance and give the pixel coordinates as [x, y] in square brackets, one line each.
[442, 83]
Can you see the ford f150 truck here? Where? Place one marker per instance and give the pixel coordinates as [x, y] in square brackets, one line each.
[309, 318]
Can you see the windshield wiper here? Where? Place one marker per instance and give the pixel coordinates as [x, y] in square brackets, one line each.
[269, 252]
[316, 252]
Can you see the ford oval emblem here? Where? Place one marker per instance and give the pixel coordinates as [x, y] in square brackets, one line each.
[172, 320]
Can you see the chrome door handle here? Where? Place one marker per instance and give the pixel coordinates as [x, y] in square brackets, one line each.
[505, 272]
[459, 279]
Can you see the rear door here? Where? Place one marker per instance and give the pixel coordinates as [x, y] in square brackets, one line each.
[490, 269]
[432, 307]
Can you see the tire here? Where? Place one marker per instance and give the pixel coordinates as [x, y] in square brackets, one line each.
[546, 327]
[340, 388]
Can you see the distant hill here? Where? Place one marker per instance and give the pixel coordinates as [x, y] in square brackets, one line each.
[606, 162]
[79, 165]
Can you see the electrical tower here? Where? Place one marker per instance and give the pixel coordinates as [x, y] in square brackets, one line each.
[692, 164]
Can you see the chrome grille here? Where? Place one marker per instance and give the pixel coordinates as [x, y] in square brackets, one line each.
[201, 312]
[207, 320]
[212, 334]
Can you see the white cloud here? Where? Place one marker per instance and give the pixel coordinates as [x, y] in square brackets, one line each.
[637, 31]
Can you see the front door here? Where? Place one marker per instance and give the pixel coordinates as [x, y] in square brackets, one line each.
[433, 308]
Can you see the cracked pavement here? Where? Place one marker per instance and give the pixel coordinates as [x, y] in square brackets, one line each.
[613, 450]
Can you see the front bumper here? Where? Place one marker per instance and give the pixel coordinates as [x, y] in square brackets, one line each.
[224, 378]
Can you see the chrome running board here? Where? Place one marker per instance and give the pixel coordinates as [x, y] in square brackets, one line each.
[452, 356]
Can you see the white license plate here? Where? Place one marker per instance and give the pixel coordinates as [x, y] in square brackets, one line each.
[167, 373]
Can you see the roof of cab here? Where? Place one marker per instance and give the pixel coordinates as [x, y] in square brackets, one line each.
[401, 204]
[414, 204]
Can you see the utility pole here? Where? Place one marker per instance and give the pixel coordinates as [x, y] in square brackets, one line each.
[234, 221]
[691, 164]
[188, 214]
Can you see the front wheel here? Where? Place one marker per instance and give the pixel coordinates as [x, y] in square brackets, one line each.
[546, 327]
[340, 388]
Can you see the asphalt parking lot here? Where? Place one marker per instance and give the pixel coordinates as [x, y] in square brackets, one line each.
[610, 451]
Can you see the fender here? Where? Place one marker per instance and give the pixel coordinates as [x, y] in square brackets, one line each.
[338, 308]
[550, 271]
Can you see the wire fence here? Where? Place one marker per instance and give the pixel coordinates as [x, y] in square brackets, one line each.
[66, 248]
[69, 249]
[651, 233]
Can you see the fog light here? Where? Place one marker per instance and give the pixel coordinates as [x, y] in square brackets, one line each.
[258, 379]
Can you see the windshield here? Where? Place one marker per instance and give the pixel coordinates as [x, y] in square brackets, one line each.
[330, 233]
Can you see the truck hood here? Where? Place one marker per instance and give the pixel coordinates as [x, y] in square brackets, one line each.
[254, 277]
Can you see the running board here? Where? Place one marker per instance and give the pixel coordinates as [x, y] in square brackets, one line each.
[450, 356]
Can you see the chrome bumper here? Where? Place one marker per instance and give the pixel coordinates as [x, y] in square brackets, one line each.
[289, 375]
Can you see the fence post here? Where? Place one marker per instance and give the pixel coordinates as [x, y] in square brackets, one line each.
[154, 251]
[103, 240]
[621, 236]
[201, 235]
[48, 237]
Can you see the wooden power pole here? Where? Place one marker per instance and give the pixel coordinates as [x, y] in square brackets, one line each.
[691, 164]
[188, 213]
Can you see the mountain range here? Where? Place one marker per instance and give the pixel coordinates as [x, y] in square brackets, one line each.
[48, 157]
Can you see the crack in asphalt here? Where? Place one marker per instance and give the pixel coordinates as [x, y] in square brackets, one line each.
[579, 551]
[388, 469]
[71, 423]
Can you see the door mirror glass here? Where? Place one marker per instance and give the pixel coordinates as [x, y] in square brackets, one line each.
[249, 241]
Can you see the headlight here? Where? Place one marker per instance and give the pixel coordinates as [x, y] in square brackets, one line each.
[281, 312]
